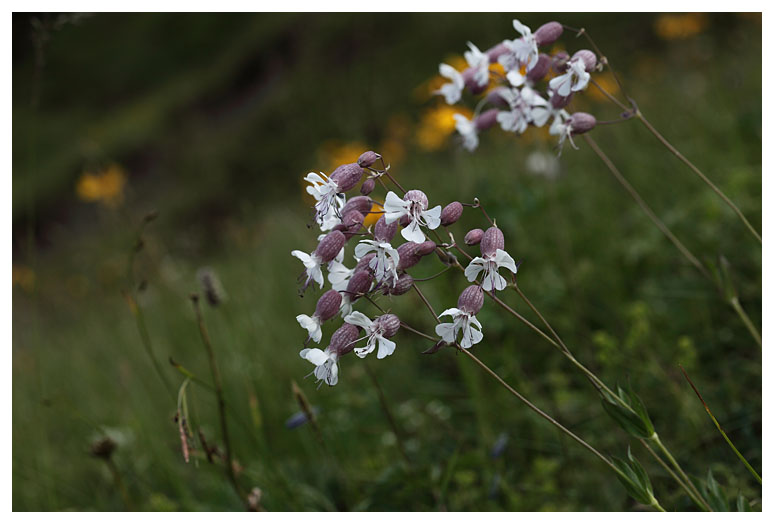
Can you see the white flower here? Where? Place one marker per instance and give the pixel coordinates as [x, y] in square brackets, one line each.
[489, 265]
[395, 208]
[564, 84]
[312, 264]
[521, 51]
[515, 78]
[385, 261]
[563, 127]
[480, 63]
[467, 130]
[518, 117]
[329, 202]
[326, 367]
[339, 275]
[452, 91]
[374, 336]
[311, 325]
[469, 324]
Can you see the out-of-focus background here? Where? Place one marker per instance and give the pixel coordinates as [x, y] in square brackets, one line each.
[212, 121]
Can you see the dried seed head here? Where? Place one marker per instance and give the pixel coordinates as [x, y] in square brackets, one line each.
[368, 186]
[359, 283]
[347, 176]
[211, 286]
[363, 263]
[330, 246]
[343, 340]
[418, 197]
[541, 68]
[328, 305]
[471, 299]
[384, 232]
[548, 33]
[559, 102]
[560, 62]
[425, 248]
[486, 120]
[401, 286]
[451, 213]
[581, 122]
[492, 240]
[407, 255]
[473, 237]
[388, 324]
[367, 159]
[589, 58]
[360, 203]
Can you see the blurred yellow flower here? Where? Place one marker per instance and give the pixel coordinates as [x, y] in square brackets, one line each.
[428, 89]
[105, 186]
[24, 276]
[436, 124]
[606, 81]
[373, 216]
[334, 153]
[677, 26]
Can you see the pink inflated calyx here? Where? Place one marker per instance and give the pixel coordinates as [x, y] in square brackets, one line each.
[330, 246]
[548, 33]
[388, 324]
[347, 176]
[343, 340]
[471, 299]
[451, 213]
[492, 240]
[473, 237]
[328, 305]
[384, 232]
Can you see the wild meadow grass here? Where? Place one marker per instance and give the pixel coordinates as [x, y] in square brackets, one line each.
[437, 434]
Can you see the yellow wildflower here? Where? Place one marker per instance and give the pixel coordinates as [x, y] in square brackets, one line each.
[373, 216]
[24, 276]
[678, 26]
[105, 186]
[437, 124]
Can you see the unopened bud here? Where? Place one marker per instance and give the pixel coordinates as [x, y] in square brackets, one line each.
[330, 246]
[581, 122]
[363, 263]
[548, 33]
[367, 159]
[407, 255]
[451, 213]
[425, 248]
[468, 78]
[486, 120]
[495, 52]
[496, 98]
[384, 232]
[359, 284]
[328, 305]
[471, 299]
[360, 203]
[560, 62]
[351, 223]
[347, 176]
[541, 68]
[401, 286]
[388, 324]
[559, 102]
[492, 240]
[417, 196]
[343, 340]
[368, 186]
[589, 58]
[473, 237]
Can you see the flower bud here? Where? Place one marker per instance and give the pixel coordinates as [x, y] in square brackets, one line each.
[330, 246]
[367, 186]
[495, 52]
[548, 33]
[468, 78]
[560, 62]
[328, 305]
[425, 248]
[384, 232]
[473, 237]
[388, 324]
[343, 340]
[401, 286]
[351, 223]
[486, 120]
[471, 299]
[407, 255]
[495, 97]
[559, 102]
[367, 159]
[363, 263]
[359, 283]
[417, 196]
[492, 240]
[541, 68]
[451, 213]
[589, 58]
[347, 176]
[360, 203]
[581, 122]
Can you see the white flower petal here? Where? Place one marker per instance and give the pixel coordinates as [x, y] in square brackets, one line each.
[315, 356]
[358, 319]
[413, 232]
[504, 260]
[386, 347]
[311, 325]
[446, 331]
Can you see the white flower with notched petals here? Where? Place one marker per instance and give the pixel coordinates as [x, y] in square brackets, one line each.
[467, 130]
[480, 63]
[325, 361]
[453, 90]
[328, 201]
[384, 263]
[313, 265]
[395, 208]
[374, 336]
[312, 325]
[339, 275]
[517, 118]
[563, 128]
[489, 265]
[461, 321]
[575, 78]
[522, 51]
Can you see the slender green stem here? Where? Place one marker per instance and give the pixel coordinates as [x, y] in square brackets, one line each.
[677, 479]
[735, 302]
[700, 174]
[388, 414]
[674, 463]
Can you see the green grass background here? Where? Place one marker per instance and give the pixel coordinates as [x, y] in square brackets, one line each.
[217, 117]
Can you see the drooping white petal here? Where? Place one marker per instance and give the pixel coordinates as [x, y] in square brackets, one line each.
[359, 319]
[446, 331]
[303, 257]
[315, 356]
[413, 232]
[395, 207]
[311, 325]
[432, 217]
[386, 347]
[521, 28]
[504, 260]
[473, 269]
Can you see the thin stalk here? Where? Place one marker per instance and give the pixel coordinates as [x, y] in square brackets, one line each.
[119, 481]
[699, 173]
[388, 415]
[230, 473]
[735, 303]
[674, 463]
[677, 479]
[721, 430]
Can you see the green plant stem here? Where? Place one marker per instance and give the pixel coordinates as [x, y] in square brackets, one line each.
[699, 502]
[735, 302]
[699, 173]
[388, 415]
[231, 474]
[674, 463]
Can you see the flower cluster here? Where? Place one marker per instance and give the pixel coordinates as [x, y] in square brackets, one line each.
[381, 264]
[518, 100]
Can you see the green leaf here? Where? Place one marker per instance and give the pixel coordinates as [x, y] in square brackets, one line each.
[628, 419]
[634, 478]
[742, 504]
[714, 494]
